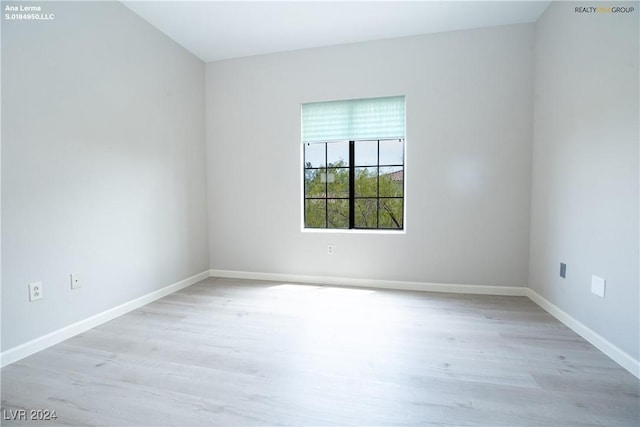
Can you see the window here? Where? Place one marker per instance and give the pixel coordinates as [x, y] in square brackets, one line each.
[354, 164]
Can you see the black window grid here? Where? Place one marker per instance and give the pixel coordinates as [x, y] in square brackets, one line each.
[351, 190]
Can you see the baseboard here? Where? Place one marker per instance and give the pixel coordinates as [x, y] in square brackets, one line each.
[16, 353]
[623, 359]
[371, 283]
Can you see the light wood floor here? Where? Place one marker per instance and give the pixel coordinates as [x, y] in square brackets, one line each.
[241, 353]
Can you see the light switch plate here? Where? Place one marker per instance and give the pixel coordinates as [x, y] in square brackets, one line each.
[598, 285]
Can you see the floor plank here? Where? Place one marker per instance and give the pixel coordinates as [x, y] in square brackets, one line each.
[229, 352]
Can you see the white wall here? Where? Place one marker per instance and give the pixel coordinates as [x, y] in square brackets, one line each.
[585, 168]
[103, 164]
[469, 109]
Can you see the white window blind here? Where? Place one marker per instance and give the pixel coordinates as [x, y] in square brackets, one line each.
[372, 118]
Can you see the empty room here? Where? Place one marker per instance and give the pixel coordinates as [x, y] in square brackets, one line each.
[318, 213]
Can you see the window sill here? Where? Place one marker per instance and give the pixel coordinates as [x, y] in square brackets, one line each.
[351, 231]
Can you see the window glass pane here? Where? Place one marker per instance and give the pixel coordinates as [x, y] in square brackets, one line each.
[366, 182]
[391, 181]
[338, 212]
[314, 155]
[378, 187]
[315, 213]
[366, 214]
[391, 213]
[314, 185]
[366, 153]
[338, 182]
[338, 153]
[392, 152]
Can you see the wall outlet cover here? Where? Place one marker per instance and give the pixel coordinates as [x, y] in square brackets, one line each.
[598, 285]
[35, 291]
[75, 281]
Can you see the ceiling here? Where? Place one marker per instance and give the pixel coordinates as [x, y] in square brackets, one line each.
[216, 30]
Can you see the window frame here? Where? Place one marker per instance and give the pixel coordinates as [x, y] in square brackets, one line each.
[352, 197]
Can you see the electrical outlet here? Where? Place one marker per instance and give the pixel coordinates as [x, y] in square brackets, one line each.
[330, 249]
[75, 281]
[563, 270]
[35, 291]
